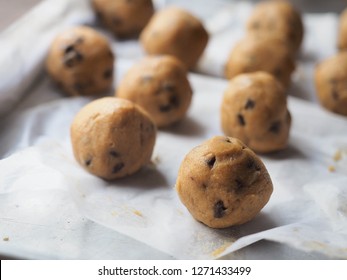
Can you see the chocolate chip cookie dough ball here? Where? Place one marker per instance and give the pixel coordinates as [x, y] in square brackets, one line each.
[125, 18]
[112, 137]
[253, 54]
[80, 60]
[158, 84]
[254, 110]
[342, 35]
[331, 83]
[277, 19]
[176, 32]
[223, 183]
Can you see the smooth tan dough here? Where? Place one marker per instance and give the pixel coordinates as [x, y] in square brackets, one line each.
[342, 32]
[254, 109]
[125, 18]
[223, 183]
[330, 80]
[175, 32]
[81, 61]
[159, 84]
[277, 19]
[112, 137]
[253, 54]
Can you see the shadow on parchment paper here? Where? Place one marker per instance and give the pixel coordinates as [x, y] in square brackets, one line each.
[147, 178]
[260, 223]
[188, 127]
[291, 152]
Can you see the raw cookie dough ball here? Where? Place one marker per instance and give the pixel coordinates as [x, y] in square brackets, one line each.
[223, 183]
[80, 60]
[277, 19]
[253, 54]
[112, 137]
[125, 18]
[342, 35]
[176, 32]
[159, 84]
[331, 83]
[254, 109]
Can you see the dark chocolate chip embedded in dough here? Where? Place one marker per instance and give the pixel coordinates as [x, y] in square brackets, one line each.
[252, 165]
[204, 186]
[278, 72]
[249, 104]
[228, 140]
[80, 87]
[335, 94]
[108, 74]
[173, 103]
[114, 153]
[275, 127]
[72, 56]
[211, 161]
[117, 21]
[118, 167]
[219, 209]
[241, 119]
[239, 184]
[88, 161]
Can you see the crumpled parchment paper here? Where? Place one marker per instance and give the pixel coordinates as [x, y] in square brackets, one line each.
[44, 192]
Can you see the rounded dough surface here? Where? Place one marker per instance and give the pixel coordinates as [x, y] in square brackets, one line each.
[342, 33]
[254, 110]
[253, 54]
[81, 61]
[330, 81]
[158, 84]
[124, 18]
[175, 32]
[112, 137]
[223, 183]
[278, 19]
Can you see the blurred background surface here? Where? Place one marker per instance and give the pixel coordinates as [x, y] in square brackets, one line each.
[10, 10]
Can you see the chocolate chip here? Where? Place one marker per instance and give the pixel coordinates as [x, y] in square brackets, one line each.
[88, 161]
[72, 56]
[117, 21]
[169, 87]
[108, 74]
[239, 184]
[251, 164]
[278, 72]
[241, 119]
[211, 161]
[80, 87]
[228, 140]
[173, 103]
[335, 94]
[249, 104]
[114, 153]
[204, 186]
[118, 167]
[275, 127]
[219, 209]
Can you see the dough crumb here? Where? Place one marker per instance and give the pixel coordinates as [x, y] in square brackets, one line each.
[221, 249]
[331, 168]
[338, 155]
[6, 238]
[138, 213]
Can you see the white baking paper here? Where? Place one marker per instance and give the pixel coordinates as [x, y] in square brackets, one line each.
[49, 204]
